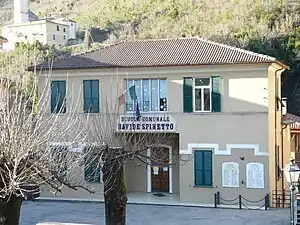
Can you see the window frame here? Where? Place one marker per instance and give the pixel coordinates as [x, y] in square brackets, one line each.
[212, 181]
[202, 95]
[63, 108]
[99, 165]
[60, 149]
[141, 104]
[98, 110]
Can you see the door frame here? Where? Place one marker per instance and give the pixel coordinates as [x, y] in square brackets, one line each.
[149, 170]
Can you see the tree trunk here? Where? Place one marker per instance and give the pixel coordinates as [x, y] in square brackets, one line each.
[114, 193]
[10, 210]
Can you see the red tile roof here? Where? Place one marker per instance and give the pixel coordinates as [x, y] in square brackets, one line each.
[161, 52]
[290, 119]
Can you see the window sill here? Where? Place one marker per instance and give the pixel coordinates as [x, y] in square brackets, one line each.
[202, 186]
[201, 113]
[148, 112]
[91, 112]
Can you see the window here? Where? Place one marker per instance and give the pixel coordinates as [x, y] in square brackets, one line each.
[59, 156]
[203, 168]
[91, 96]
[58, 96]
[151, 95]
[53, 37]
[64, 37]
[64, 29]
[92, 167]
[57, 28]
[202, 94]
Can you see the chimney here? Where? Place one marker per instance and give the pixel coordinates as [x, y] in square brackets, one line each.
[87, 40]
[284, 106]
[21, 11]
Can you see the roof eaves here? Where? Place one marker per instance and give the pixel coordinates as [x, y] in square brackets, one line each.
[70, 67]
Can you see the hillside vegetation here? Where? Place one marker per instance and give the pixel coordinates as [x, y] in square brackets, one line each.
[264, 26]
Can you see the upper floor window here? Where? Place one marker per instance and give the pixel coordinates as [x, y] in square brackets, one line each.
[202, 94]
[91, 96]
[64, 29]
[57, 28]
[58, 96]
[151, 95]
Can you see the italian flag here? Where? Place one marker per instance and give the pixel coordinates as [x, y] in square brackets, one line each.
[132, 94]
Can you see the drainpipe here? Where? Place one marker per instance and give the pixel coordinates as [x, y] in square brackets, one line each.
[276, 191]
[282, 183]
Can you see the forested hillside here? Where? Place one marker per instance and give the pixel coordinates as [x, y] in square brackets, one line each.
[266, 26]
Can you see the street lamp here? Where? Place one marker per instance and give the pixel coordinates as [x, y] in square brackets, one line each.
[292, 172]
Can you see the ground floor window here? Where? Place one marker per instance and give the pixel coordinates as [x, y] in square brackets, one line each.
[92, 169]
[58, 155]
[203, 167]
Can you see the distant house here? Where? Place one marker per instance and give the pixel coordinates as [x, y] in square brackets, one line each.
[222, 102]
[28, 28]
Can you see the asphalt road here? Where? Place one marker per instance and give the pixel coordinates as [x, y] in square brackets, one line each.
[93, 213]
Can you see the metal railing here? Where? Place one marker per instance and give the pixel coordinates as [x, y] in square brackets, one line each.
[241, 202]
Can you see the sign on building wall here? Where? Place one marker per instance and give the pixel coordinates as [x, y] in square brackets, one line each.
[146, 123]
[230, 174]
[255, 175]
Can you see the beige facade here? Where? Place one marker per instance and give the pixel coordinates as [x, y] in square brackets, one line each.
[241, 135]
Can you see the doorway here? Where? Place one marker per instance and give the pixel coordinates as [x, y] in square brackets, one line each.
[160, 169]
[159, 173]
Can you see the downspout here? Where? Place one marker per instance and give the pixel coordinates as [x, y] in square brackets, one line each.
[276, 169]
[282, 183]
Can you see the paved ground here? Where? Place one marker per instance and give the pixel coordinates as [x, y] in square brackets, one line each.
[91, 213]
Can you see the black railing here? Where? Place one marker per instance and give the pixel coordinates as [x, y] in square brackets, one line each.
[241, 202]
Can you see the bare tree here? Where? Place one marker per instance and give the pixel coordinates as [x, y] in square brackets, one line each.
[113, 149]
[27, 157]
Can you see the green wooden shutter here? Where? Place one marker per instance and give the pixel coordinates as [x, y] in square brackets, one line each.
[95, 95]
[97, 174]
[88, 171]
[92, 172]
[54, 94]
[87, 95]
[207, 168]
[216, 94]
[91, 96]
[203, 167]
[199, 176]
[187, 94]
[62, 96]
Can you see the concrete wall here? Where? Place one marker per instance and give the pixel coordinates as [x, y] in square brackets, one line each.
[26, 32]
